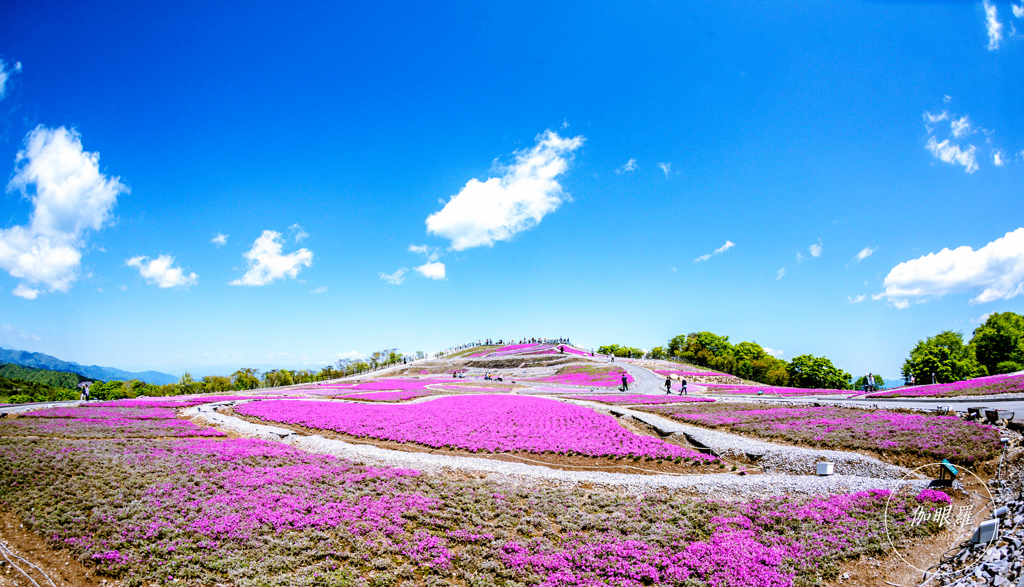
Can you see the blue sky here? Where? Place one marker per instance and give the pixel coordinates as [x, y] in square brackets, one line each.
[205, 187]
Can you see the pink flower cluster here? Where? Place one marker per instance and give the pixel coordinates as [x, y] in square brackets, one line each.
[937, 437]
[488, 423]
[385, 396]
[114, 412]
[103, 427]
[638, 399]
[583, 377]
[730, 389]
[666, 373]
[992, 385]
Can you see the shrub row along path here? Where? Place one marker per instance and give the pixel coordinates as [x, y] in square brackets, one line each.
[720, 484]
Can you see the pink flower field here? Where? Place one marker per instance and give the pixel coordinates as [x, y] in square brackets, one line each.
[109, 427]
[992, 385]
[729, 389]
[639, 399]
[485, 423]
[934, 437]
[586, 376]
[386, 396]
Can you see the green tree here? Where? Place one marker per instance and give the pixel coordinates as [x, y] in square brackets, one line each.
[998, 344]
[608, 349]
[216, 383]
[705, 349]
[657, 353]
[808, 371]
[945, 355]
[246, 378]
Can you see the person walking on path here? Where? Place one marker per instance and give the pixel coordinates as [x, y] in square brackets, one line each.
[668, 386]
[625, 383]
[682, 390]
[871, 382]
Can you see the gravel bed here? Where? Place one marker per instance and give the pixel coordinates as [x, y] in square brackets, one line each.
[774, 459]
[722, 486]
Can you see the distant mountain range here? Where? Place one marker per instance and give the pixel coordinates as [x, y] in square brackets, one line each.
[42, 361]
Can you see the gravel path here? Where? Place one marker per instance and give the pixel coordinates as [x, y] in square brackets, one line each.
[723, 486]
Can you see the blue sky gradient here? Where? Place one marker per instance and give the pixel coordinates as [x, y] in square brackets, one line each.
[787, 129]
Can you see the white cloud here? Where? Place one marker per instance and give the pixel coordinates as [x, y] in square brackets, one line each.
[496, 209]
[5, 75]
[728, 245]
[865, 253]
[266, 263]
[12, 331]
[960, 127]
[815, 249]
[780, 273]
[220, 239]
[857, 299]
[951, 153]
[997, 269]
[946, 99]
[432, 253]
[350, 355]
[993, 26]
[997, 159]
[162, 272]
[666, 167]
[297, 231]
[431, 270]
[981, 319]
[70, 197]
[933, 118]
[319, 290]
[1018, 11]
[771, 351]
[627, 167]
[395, 278]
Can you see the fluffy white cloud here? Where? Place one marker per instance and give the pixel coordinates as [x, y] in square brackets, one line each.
[1018, 11]
[266, 263]
[5, 75]
[298, 233]
[857, 299]
[319, 290]
[70, 197]
[997, 269]
[220, 239]
[815, 249]
[728, 245]
[666, 167]
[395, 278]
[771, 351]
[780, 274]
[933, 118]
[626, 167]
[981, 319]
[960, 127]
[997, 159]
[432, 253]
[951, 153]
[865, 253]
[993, 26]
[162, 272]
[431, 270]
[495, 210]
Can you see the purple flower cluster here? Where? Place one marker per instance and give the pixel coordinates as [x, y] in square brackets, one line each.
[150, 512]
[936, 437]
[385, 396]
[511, 349]
[992, 385]
[115, 412]
[638, 399]
[487, 423]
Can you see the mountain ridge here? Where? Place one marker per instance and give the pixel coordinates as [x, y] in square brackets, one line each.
[44, 361]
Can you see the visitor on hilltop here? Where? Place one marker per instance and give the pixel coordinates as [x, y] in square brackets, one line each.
[561, 350]
[625, 383]
[912, 380]
[871, 382]
[668, 386]
[933, 379]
